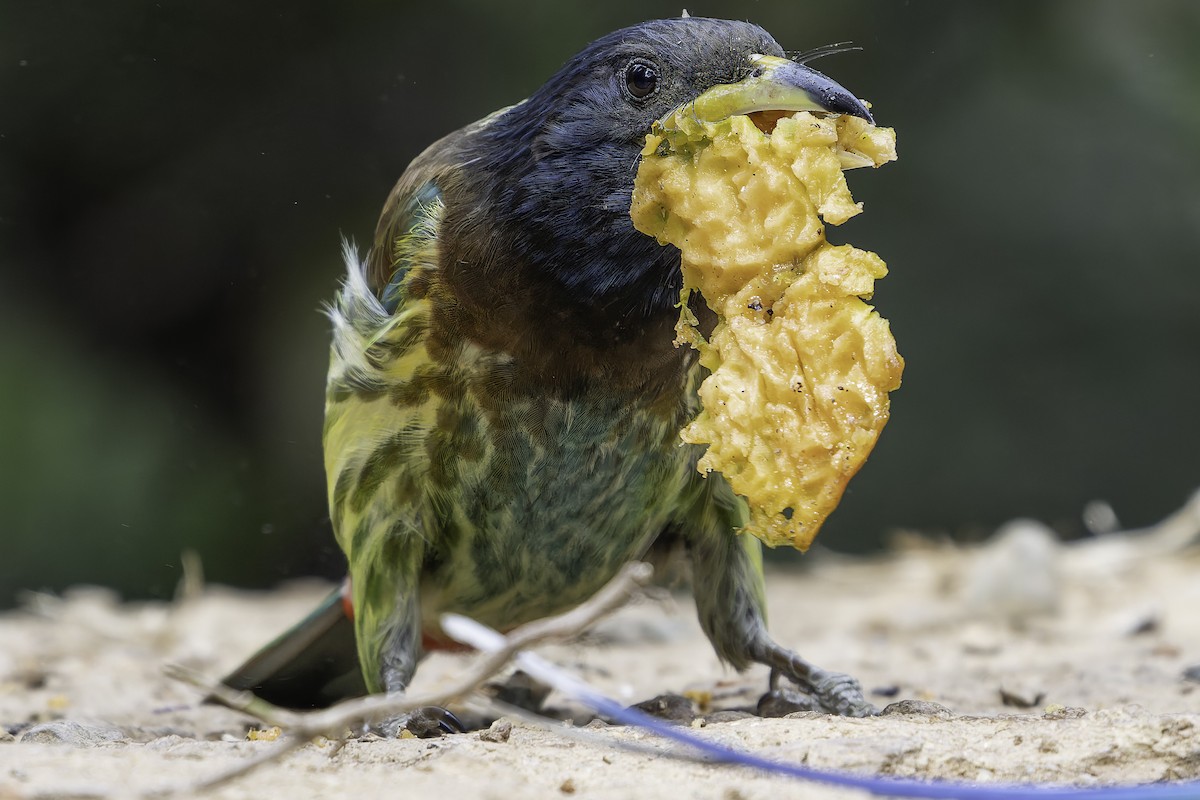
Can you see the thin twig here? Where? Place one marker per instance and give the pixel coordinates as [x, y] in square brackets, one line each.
[333, 722]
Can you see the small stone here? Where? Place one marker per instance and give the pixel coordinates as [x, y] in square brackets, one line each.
[981, 639]
[781, 702]
[499, 732]
[1021, 699]
[1149, 623]
[1192, 673]
[918, 708]
[669, 707]
[66, 731]
[567, 786]
[1059, 711]
[1015, 575]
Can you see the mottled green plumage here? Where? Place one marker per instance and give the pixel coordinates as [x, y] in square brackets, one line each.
[459, 484]
[504, 396]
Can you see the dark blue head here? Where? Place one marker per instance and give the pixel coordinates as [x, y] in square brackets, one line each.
[561, 164]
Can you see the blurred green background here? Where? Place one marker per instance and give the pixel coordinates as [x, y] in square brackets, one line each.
[174, 179]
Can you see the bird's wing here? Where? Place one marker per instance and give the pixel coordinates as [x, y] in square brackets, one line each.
[405, 215]
[386, 446]
[378, 414]
[408, 240]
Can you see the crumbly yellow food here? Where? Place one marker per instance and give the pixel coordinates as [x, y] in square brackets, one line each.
[264, 734]
[800, 365]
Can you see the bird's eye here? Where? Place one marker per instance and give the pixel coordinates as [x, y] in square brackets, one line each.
[641, 79]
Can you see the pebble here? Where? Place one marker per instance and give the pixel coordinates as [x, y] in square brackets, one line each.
[499, 732]
[781, 702]
[79, 734]
[921, 708]
[1015, 575]
[669, 707]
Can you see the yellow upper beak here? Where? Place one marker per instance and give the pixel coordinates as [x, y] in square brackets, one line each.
[774, 84]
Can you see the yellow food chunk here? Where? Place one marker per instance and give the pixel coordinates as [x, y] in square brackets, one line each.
[264, 734]
[800, 366]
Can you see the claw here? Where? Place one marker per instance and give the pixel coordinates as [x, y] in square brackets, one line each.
[449, 721]
[428, 722]
[841, 694]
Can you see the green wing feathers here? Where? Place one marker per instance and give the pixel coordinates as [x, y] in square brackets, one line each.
[376, 419]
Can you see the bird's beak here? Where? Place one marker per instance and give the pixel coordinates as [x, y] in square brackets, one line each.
[775, 87]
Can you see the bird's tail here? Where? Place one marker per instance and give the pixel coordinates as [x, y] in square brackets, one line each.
[314, 664]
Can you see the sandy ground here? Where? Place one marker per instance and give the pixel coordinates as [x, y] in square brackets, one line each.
[1097, 640]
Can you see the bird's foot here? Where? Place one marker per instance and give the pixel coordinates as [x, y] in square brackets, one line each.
[833, 692]
[428, 722]
[828, 691]
[841, 694]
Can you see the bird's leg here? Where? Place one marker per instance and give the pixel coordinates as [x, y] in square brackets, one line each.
[730, 601]
[398, 655]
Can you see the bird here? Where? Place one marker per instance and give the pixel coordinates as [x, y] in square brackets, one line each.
[504, 394]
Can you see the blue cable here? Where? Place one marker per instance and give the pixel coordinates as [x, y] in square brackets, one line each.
[880, 785]
[483, 638]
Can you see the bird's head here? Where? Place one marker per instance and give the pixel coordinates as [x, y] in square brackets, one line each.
[563, 161]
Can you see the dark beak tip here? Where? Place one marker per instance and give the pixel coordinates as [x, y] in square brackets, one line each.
[849, 104]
